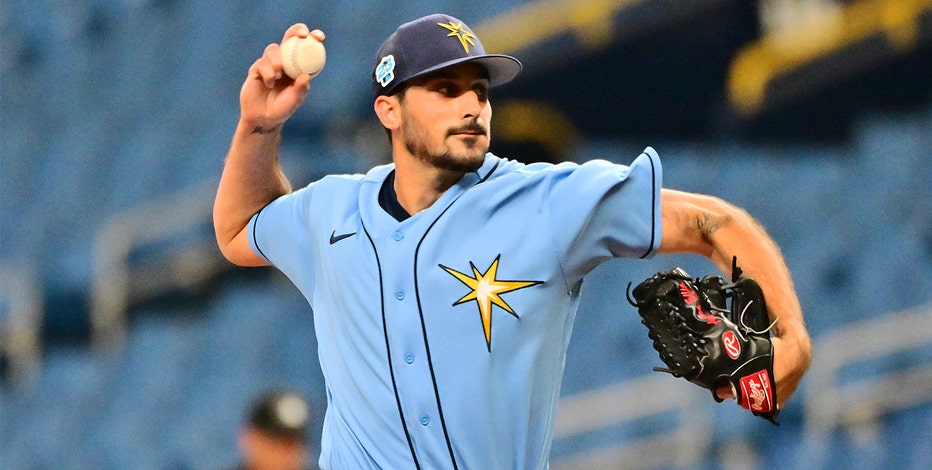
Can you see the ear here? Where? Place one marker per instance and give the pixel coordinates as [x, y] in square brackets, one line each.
[388, 109]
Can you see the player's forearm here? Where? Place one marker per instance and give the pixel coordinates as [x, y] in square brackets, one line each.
[252, 177]
[720, 231]
[731, 232]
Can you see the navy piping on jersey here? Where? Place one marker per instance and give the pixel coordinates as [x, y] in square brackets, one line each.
[254, 235]
[388, 351]
[443, 425]
[653, 205]
[388, 199]
[417, 294]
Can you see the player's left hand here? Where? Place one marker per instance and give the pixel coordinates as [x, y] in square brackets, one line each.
[726, 350]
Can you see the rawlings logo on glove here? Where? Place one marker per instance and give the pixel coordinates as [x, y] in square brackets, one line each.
[703, 341]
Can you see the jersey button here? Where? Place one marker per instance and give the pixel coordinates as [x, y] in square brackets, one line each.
[409, 358]
[425, 420]
[397, 236]
[400, 295]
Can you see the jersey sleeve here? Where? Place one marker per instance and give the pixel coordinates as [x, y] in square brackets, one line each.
[603, 210]
[280, 232]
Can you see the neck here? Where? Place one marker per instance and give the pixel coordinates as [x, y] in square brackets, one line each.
[418, 185]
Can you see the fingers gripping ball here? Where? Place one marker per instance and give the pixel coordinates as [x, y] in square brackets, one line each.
[702, 341]
[303, 55]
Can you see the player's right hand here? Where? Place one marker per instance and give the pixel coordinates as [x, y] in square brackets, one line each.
[269, 97]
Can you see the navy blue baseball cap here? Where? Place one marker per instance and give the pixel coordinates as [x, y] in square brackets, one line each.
[280, 413]
[432, 43]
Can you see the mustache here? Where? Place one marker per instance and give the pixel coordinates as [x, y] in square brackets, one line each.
[468, 128]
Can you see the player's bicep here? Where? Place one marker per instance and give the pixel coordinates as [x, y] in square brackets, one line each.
[689, 220]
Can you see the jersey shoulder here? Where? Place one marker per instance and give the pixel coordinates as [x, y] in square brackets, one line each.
[338, 182]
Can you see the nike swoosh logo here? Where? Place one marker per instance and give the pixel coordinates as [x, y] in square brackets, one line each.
[335, 238]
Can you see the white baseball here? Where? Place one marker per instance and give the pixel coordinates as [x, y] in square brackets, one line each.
[303, 55]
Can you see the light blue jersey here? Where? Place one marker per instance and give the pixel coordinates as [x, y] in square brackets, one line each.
[442, 338]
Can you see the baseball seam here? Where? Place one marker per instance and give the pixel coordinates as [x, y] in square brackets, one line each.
[294, 60]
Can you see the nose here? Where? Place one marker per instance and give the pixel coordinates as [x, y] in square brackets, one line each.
[471, 104]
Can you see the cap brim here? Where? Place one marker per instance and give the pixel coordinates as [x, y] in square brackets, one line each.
[502, 68]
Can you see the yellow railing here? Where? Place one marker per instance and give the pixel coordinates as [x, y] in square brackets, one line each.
[759, 64]
[524, 26]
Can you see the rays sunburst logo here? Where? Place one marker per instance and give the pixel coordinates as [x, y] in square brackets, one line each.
[458, 31]
[487, 290]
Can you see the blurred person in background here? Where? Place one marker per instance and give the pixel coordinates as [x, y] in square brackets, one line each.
[274, 435]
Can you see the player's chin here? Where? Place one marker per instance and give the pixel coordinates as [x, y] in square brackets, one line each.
[473, 159]
[461, 161]
[469, 145]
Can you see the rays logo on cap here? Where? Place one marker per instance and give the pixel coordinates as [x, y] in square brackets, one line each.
[465, 37]
[429, 44]
[385, 72]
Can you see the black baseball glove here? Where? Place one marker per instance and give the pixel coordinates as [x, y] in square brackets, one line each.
[703, 341]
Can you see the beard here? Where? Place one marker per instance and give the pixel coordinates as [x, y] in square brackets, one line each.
[464, 161]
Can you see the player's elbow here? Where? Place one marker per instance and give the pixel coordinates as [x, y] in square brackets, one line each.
[228, 253]
[236, 249]
[241, 258]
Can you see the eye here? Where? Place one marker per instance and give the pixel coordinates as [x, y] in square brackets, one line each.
[482, 91]
[452, 89]
[448, 89]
